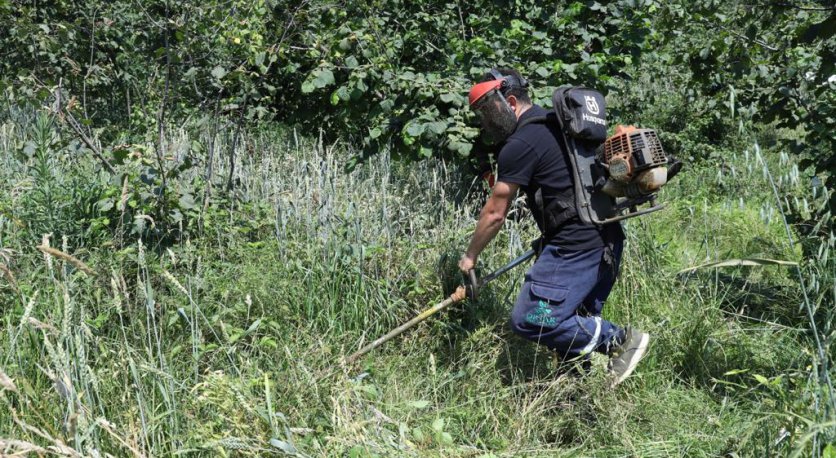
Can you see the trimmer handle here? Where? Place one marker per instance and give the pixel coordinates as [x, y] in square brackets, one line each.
[473, 286]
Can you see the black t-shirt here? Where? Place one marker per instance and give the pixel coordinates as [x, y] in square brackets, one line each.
[533, 158]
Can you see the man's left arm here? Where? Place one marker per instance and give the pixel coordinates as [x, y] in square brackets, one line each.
[490, 221]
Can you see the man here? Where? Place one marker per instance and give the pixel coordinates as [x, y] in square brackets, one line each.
[564, 292]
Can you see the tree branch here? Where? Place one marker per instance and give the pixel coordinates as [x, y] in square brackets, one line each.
[740, 35]
[76, 126]
[805, 8]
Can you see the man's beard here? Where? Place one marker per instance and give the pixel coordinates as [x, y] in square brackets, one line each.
[498, 123]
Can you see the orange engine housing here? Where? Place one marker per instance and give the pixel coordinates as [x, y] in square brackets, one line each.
[630, 151]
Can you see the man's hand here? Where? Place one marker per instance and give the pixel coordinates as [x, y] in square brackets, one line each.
[466, 263]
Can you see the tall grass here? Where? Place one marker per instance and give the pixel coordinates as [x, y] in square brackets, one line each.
[230, 340]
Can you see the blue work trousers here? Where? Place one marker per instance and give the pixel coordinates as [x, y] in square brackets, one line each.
[561, 300]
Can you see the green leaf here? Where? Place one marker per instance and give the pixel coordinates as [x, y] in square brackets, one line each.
[218, 73]
[105, 204]
[284, 446]
[358, 451]
[449, 97]
[253, 326]
[343, 94]
[462, 148]
[318, 79]
[360, 85]
[761, 379]
[414, 129]
[436, 127]
[387, 105]
[268, 342]
[323, 78]
[419, 404]
[374, 132]
[438, 425]
[308, 87]
[187, 202]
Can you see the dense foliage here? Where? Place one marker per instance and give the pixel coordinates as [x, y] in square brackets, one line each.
[394, 74]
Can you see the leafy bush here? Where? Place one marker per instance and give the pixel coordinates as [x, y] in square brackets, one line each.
[58, 190]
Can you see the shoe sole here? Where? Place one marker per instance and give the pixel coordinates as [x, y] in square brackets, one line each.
[638, 355]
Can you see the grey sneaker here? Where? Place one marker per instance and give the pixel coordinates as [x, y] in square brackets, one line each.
[626, 357]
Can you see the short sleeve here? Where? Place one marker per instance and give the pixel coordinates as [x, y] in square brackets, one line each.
[516, 163]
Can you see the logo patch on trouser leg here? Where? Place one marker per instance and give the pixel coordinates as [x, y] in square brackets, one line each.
[541, 316]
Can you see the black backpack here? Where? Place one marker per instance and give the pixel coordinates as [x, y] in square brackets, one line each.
[580, 114]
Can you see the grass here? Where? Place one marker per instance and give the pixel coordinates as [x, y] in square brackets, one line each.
[229, 341]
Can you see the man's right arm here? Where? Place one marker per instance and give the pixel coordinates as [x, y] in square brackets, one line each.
[490, 221]
[515, 164]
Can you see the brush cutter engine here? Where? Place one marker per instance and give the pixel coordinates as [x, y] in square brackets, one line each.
[635, 162]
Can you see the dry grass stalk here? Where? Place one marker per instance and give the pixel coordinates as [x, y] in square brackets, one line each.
[37, 324]
[47, 258]
[123, 199]
[109, 427]
[13, 447]
[176, 283]
[59, 448]
[147, 218]
[6, 382]
[6, 255]
[11, 278]
[77, 263]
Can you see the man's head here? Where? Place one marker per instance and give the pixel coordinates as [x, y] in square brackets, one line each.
[498, 101]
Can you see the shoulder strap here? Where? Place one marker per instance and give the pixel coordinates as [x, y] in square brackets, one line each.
[559, 103]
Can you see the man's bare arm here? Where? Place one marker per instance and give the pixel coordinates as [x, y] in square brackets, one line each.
[490, 221]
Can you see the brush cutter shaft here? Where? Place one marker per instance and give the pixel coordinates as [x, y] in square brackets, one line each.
[457, 296]
[521, 259]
